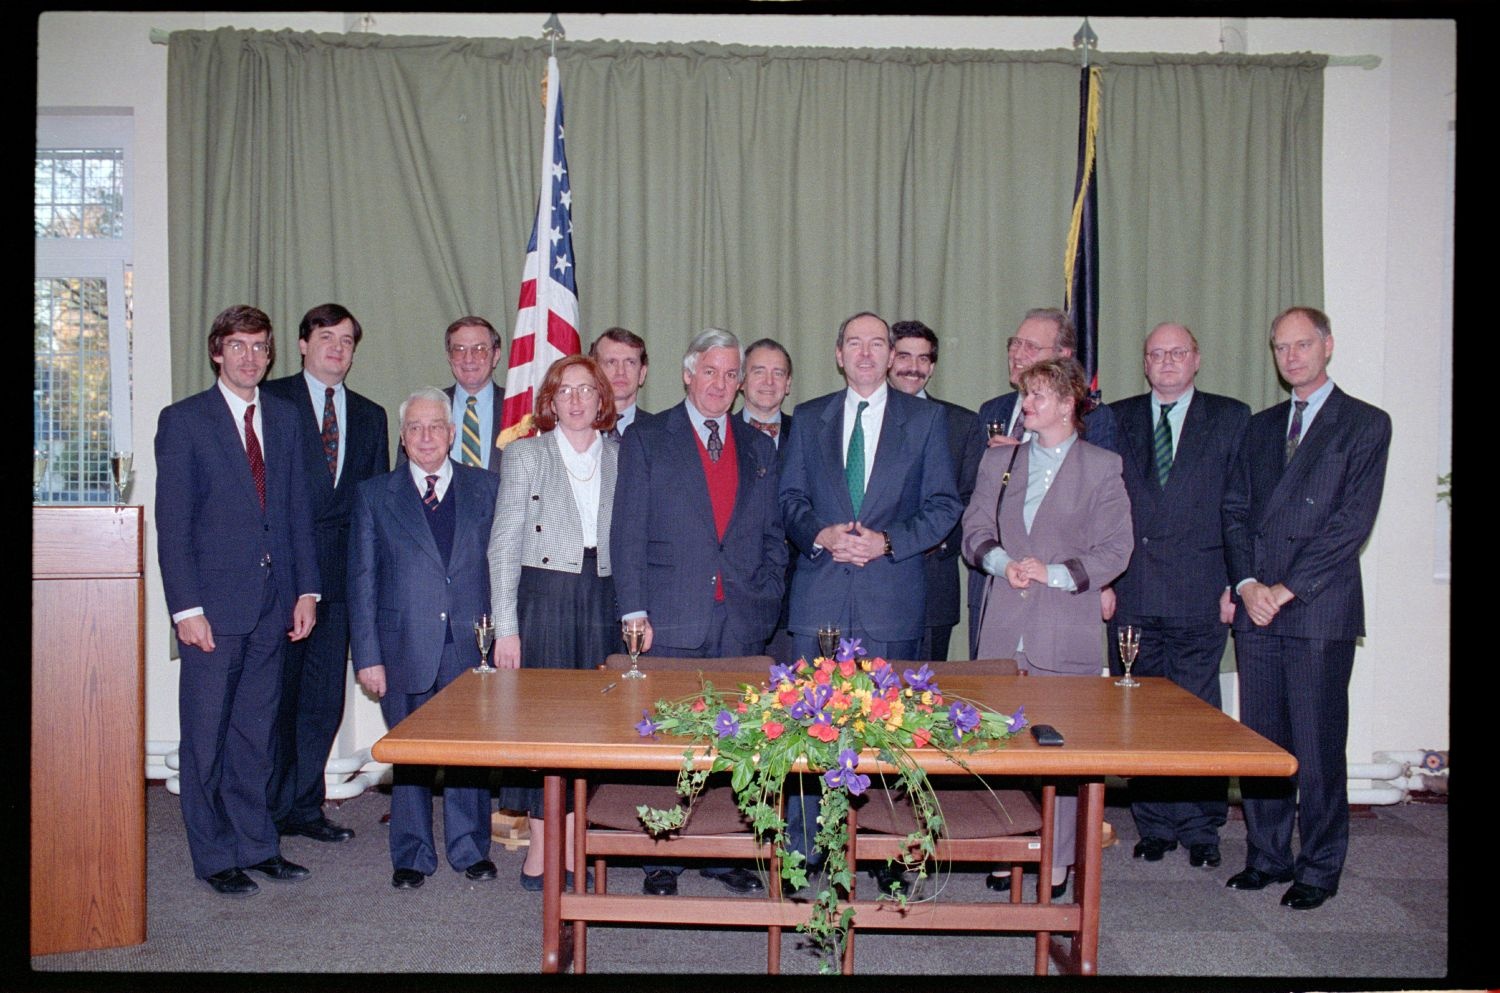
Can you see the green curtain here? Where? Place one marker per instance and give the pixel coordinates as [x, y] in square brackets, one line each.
[771, 191]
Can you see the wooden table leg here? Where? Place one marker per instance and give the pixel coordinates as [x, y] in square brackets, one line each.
[1083, 958]
[552, 877]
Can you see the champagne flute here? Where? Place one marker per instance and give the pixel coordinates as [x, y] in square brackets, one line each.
[633, 630]
[1130, 646]
[828, 640]
[484, 637]
[995, 428]
[119, 470]
[40, 456]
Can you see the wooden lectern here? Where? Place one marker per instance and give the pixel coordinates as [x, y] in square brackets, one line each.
[88, 767]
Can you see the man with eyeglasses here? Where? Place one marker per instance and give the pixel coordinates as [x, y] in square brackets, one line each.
[1179, 446]
[1300, 505]
[696, 545]
[1045, 333]
[240, 572]
[473, 347]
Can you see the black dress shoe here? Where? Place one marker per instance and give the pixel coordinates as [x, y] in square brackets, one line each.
[407, 879]
[1001, 884]
[481, 870]
[232, 882]
[736, 880]
[889, 879]
[281, 870]
[1254, 879]
[320, 830]
[1305, 896]
[1153, 849]
[1204, 855]
[660, 882]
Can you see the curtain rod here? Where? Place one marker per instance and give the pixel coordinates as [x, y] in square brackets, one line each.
[161, 36]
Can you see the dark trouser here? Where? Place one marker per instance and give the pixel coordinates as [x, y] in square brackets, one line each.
[312, 707]
[803, 803]
[226, 700]
[1188, 652]
[934, 644]
[716, 646]
[466, 794]
[1295, 691]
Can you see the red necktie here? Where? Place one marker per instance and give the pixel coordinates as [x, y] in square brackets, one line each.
[330, 434]
[771, 428]
[257, 461]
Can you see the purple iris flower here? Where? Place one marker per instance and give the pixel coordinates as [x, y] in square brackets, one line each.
[848, 649]
[843, 775]
[885, 678]
[647, 727]
[1018, 719]
[964, 717]
[780, 673]
[813, 701]
[923, 679]
[726, 725]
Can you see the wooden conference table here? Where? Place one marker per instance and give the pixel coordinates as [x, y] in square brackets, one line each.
[567, 724]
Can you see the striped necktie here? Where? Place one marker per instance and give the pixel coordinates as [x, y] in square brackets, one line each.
[470, 445]
[1162, 442]
[430, 498]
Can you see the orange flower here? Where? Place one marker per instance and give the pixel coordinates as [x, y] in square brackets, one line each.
[772, 729]
[821, 676]
[920, 737]
[847, 667]
[787, 697]
[823, 732]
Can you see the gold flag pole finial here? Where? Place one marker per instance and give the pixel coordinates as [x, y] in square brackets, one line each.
[1085, 39]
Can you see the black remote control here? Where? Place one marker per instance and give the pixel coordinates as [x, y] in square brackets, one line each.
[1046, 734]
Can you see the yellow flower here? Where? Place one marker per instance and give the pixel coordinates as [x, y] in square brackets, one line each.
[859, 727]
[927, 697]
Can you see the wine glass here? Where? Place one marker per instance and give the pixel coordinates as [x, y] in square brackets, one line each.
[633, 630]
[828, 640]
[40, 456]
[119, 471]
[1130, 646]
[484, 637]
[995, 428]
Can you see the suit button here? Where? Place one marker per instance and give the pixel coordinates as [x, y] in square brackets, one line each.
[1145, 540]
[536, 496]
[443, 616]
[448, 580]
[545, 560]
[539, 528]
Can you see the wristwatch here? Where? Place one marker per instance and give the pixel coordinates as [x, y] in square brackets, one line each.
[887, 536]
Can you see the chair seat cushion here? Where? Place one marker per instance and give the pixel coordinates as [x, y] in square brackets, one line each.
[613, 805]
[967, 812]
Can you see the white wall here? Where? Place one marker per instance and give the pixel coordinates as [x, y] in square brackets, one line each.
[1385, 180]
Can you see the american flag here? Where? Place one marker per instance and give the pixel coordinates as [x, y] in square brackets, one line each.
[547, 314]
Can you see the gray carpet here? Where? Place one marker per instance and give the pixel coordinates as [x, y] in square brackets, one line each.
[1389, 920]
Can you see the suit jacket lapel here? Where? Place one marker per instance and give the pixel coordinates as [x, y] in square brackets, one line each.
[748, 467]
[1190, 444]
[408, 512]
[683, 451]
[1310, 448]
[1140, 435]
[831, 440]
[227, 434]
[890, 453]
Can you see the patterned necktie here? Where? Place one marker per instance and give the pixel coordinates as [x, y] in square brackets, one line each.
[771, 428]
[1163, 445]
[854, 464]
[1294, 434]
[330, 434]
[715, 443]
[470, 445]
[430, 499]
[257, 460]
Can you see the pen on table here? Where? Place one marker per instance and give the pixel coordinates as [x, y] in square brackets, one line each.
[609, 687]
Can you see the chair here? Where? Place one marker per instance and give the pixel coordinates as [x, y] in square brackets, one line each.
[1004, 826]
[714, 829]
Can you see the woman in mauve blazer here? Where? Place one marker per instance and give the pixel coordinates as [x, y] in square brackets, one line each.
[553, 596]
[1048, 541]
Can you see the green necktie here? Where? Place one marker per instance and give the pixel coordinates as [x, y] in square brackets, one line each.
[854, 465]
[470, 446]
[1163, 444]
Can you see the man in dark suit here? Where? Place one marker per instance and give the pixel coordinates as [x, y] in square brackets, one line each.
[1301, 503]
[1179, 447]
[867, 486]
[474, 349]
[765, 383]
[913, 361]
[418, 576]
[697, 543]
[622, 356]
[1044, 333]
[240, 573]
[344, 444]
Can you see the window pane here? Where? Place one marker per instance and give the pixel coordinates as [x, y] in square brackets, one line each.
[71, 399]
[80, 193]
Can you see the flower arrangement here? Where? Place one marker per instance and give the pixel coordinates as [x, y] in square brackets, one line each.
[825, 712]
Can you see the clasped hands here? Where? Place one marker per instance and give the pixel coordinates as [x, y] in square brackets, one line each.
[1021, 573]
[852, 543]
[1264, 602]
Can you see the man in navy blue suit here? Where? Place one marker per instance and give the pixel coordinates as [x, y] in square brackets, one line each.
[867, 486]
[697, 545]
[240, 573]
[1044, 333]
[765, 383]
[1178, 445]
[344, 444]
[1300, 505]
[621, 353]
[913, 361]
[418, 576]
